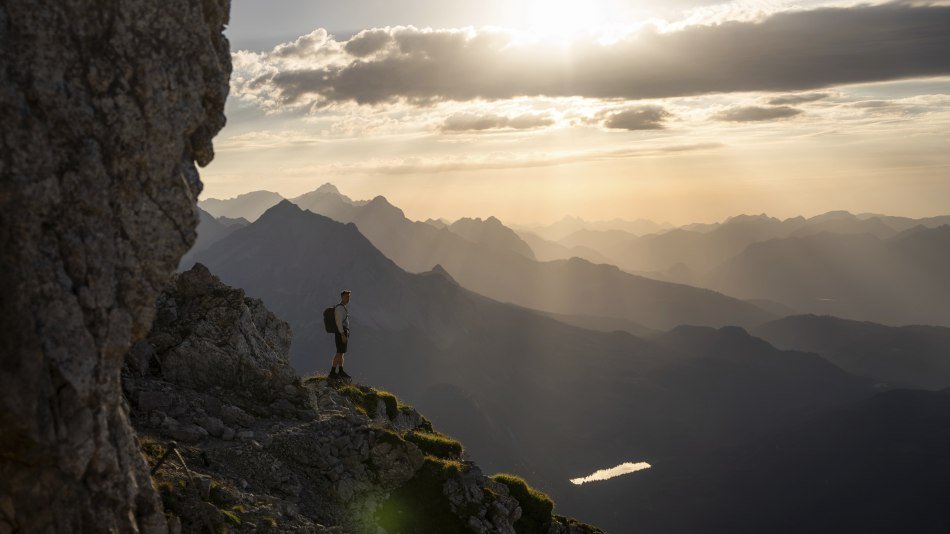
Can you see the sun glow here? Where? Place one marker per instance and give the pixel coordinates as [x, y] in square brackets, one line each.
[561, 19]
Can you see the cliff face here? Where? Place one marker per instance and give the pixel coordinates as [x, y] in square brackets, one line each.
[106, 108]
[262, 449]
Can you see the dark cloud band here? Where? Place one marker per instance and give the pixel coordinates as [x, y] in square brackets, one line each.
[643, 118]
[469, 122]
[757, 114]
[791, 51]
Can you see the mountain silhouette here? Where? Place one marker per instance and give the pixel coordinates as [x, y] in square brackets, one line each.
[603, 241]
[438, 223]
[905, 223]
[210, 230]
[249, 205]
[569, 225]
[528, 383]
[545, 250]
[493, 233]
[847, 225]
[908, 356]
[898, 281]
[572, 287]
[697, 249]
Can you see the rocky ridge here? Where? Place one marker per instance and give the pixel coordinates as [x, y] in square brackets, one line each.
[266, 450]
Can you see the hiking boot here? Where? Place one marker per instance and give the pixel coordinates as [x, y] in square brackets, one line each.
[332, 377]
[343, 376]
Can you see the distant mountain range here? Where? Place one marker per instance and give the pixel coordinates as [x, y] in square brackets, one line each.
[909, 356]
[492, 233]
[898, 281]
[249, 206]
[495, 265]
[784, 432]
[826, 264]
[568, 225]
[525, 381]
[210, 230]
[546, 250]
[702, 249]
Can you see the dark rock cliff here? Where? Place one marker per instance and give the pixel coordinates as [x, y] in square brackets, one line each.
[106, 107]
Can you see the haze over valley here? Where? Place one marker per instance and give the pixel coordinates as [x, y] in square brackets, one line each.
[513, 351]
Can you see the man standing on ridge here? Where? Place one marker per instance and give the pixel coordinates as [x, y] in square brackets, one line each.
[341, 336]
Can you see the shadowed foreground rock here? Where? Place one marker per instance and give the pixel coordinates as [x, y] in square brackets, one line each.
[265, 450]
[207, 335]
[106, 107]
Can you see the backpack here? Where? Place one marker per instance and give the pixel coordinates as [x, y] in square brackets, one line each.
[329, 320]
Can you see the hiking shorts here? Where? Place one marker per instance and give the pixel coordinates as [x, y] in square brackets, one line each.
[340, 344]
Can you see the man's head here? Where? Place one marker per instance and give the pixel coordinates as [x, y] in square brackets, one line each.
[345, 296]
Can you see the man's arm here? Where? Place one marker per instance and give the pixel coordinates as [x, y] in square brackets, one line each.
[339, 320]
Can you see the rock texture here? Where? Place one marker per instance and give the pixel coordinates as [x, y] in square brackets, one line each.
[262, 449]
[207, 335]
[106, 108]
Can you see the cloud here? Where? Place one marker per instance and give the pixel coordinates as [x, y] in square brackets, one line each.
[464, 122]
[873, 104]
[512, 161]
[904, 107]
[787, 51]
[316, 44]
[802, 98]
[643, 118]
[756, 114]
[367, 42]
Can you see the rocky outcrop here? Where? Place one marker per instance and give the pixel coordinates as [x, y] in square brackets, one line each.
[262, 449]
[106, 108]
[208, 335]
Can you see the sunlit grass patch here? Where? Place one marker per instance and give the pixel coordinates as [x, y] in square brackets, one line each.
[436, 444]
[231, 517]
[152, 449]
[536, 506]
[367, 399]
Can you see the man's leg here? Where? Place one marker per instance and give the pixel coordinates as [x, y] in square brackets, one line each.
[337, 363]
[341, 343]
[342, 374]
[332, 374]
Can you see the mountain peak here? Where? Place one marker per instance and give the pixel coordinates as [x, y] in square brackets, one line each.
[744, 217]
[832, 215]
[285, 206]
[248, 205]
[284, 210]
[438, 270]
[327, 188]
[380, 205]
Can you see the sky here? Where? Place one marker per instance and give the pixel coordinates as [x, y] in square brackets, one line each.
[528, 110]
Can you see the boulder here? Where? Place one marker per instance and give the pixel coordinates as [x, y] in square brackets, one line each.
[207, 334]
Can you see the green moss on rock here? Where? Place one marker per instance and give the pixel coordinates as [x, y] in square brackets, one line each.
[536, 506]
[436, 444]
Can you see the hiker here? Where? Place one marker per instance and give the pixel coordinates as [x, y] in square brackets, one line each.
[341, 336]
